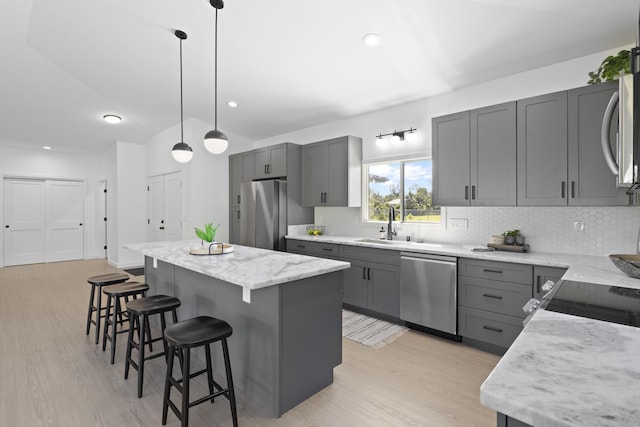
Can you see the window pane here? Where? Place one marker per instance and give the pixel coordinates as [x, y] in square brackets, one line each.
[417, 192]
[383, 191]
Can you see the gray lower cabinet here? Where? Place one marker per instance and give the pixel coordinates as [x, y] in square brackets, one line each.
[319, 249]
[541, 274]
[490, 299]
[475, 157]
[331, 172]
[372, 286]
[506, 421]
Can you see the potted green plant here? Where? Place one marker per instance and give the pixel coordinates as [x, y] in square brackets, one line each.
[207, 235]
[510, 236]
[612, 67]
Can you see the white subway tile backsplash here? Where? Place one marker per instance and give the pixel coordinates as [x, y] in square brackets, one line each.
[547, 229]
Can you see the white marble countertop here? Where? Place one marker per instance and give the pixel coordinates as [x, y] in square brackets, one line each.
[565, 370]
[562, 370]
[251, 268]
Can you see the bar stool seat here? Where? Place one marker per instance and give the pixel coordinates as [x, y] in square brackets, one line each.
[181, 338]
[96, 306]
[114, 294]
[139, 311]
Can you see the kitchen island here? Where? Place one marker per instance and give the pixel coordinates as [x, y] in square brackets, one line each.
[285, 311]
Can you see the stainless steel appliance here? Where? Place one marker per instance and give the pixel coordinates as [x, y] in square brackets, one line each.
[428, 296]
[602, 302]
[263, 214]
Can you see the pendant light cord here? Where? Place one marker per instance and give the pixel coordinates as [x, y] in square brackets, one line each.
[215, 72]
[181, 109]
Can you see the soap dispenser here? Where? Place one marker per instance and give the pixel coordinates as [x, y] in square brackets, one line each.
[383, 234]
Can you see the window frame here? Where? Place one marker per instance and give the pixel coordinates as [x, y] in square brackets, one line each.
[365, 191]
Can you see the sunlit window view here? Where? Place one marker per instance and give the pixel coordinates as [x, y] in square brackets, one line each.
[404, 185]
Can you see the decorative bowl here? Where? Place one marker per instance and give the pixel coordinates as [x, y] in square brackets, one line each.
[315, 230]
[629, 264]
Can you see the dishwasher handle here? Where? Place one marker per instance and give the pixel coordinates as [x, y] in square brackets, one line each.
[421, 257]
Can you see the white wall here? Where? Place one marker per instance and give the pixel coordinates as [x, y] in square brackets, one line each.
[37, 163]
[205, 178]
[610, 229]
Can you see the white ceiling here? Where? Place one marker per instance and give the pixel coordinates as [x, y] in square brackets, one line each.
[290, 64]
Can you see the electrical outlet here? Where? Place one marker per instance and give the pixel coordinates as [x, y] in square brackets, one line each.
[458, 223]
[578, 226]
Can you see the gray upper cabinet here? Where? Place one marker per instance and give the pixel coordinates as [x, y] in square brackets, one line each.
[270, 162]
[475, 157]
[542, 150]
[590, 180]
[450, 139]
[240, 170]
[331, 172]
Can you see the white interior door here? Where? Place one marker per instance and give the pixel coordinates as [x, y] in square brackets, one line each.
[173, 206]
[155, 209]
[64, 220]
[24, 228]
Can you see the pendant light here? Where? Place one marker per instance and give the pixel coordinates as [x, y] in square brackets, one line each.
[215, 141]
[181, 152]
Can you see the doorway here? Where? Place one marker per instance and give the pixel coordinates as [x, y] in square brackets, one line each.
[164, 207]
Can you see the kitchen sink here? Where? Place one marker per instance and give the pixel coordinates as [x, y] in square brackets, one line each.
[400, 243]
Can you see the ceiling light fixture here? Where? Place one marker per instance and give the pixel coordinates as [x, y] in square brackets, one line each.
[372, 40]
[396, 136]
[112, 118]
[46, 147]
[181, 152]
[215, 141]
[232, 104]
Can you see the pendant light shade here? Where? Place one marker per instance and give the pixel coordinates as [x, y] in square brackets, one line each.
[215, 141]
[181, 152]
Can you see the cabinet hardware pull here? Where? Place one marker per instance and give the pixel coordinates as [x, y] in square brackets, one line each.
[265, 169]
[538, 284]
[301, 246]
[492, 296]
[466, 192]
[364, 276]
[563, 185]
[368, 273]
[488, 270]
[327, 249]
[473, 192]
[490, 328]
[268, 168]
[573, 189]
[6, 226]
[80, 224]
[238, 199]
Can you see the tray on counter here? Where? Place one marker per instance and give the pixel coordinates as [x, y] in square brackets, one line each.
[509, 248]
[213, 249]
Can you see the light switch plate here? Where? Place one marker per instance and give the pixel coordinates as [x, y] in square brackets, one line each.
[458, 223]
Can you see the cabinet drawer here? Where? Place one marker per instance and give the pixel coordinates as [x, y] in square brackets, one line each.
[305, 247]
[495, 270]
[498, 297]
[492, 328]
[382, 256]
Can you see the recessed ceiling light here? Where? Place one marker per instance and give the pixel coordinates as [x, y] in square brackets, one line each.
[46, 147]
[232, 104]
[372, 40]
[111, 118]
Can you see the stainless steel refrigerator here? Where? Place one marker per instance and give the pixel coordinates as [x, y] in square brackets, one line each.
[263, 214]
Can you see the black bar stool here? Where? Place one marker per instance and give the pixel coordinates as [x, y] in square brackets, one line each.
[99, 282]
[114, 310]
[181, 338]
[139, 311]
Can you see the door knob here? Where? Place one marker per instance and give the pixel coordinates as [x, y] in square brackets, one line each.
[6, 226]
[80, 224]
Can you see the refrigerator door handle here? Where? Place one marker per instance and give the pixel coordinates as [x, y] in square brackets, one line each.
[604, 133]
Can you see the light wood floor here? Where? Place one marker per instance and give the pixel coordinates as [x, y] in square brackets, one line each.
[52, 374]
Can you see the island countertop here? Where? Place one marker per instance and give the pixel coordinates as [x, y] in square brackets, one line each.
[251, 268]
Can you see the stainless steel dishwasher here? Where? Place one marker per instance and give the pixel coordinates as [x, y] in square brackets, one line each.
[428, 295]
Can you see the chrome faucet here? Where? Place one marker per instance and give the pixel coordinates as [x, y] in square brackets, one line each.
[392, 215]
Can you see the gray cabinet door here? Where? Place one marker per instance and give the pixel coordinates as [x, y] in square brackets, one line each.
[493, 155]
[315, 172]
[541, 275]
[235, 178]
[451, 157]
[260, 163]
[278, 161]
[337, 174]
[542, 150]
[247, 166]
[354, 284]
[590, 180]
[384, 288]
